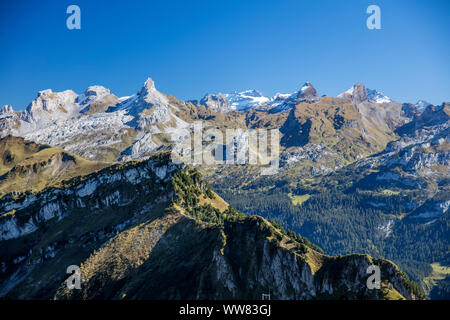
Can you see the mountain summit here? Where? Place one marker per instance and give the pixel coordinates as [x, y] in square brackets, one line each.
[150, 95]
[307, 93]
[360, 93]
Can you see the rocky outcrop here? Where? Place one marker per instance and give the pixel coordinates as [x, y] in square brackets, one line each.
[7, 109]
[307, 93]
[217, 102]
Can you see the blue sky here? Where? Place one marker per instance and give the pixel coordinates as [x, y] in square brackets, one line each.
[193, 47]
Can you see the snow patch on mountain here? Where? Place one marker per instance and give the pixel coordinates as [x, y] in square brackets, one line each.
[372, 95]
[422, 105]
[249, 99]
[282, 102]
[245, 100]
[7, 109]
[377, 96]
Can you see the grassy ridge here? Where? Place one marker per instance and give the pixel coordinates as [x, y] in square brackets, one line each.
[27, 166]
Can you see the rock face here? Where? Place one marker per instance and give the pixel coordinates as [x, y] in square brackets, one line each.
[6, 110]
[376, 96]
[357, 93]
[155, 230]
[148, 94]
[422, 105]
[421, 152]
[360, 93]
[307, 93]
[217, 102]
[96, 99]
[50, 106]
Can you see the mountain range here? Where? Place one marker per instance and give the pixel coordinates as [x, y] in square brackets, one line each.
[359, 173]
[156, 230]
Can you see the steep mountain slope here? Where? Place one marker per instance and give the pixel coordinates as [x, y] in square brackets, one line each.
[32, 167]
[15, 149]
[155, 230]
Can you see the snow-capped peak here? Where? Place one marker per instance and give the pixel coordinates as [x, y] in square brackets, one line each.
[281, 96]
[150, 96]
[307, 91]
[53, 102]
[358, 90]
[422, 105]
[305, 86]
[92, 93]
[348, 92]
[282, 102]
[250, 93]
[247, 99]
[96, 91]
[7, 109]
[377, 96]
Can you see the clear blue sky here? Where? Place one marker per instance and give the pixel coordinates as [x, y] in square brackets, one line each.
[193, 47]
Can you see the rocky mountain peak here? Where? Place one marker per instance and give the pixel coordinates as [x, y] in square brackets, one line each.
[50, 101]
[411, 110]
[93, 93]
[44, 93]
[422, 105]
[252, 93]
[148, 86]
[96, 91]
[282, 102]
[150, 96]
[307, 91]
[246, 100]
[7, 109]
[217, 102]
[377, 96]
[359, 92]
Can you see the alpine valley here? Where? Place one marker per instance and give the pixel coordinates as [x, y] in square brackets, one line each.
[88, 180]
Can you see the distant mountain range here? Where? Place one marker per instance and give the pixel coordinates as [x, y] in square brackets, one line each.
[99, 125]
[253, 99]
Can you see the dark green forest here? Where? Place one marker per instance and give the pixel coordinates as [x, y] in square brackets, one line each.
[342, 223]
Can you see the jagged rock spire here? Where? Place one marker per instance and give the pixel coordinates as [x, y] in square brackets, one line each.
[7, 109]
[359, 92]
[307, 91]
